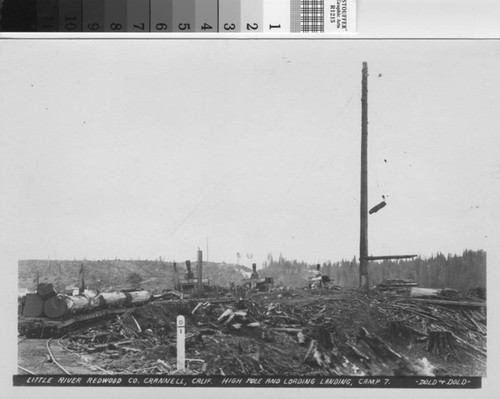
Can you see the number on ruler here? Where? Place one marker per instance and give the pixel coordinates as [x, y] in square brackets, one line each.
[253, 26]
[183, 26]
[229, 26]
[140, 26]
[161, 26]
[93, 26]
[274, 26]
[206, 26]
[70, 24]
[115, 26]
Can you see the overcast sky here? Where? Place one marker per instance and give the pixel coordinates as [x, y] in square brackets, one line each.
[144, 149]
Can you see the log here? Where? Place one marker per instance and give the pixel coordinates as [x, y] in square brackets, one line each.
[397, 283]
[387, 257]
[63, 305]
[33, 306]
[135, 298]
[463, 342]
[46, 290]
[418, 291]
[111, 299]
[377, 207]
[446, 302]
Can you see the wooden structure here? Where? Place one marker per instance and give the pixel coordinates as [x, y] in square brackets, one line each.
[191, 282]
[363, 236]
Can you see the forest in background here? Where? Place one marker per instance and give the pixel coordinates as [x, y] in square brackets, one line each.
[461, 272]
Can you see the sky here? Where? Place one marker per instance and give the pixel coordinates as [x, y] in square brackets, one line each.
[113, 149]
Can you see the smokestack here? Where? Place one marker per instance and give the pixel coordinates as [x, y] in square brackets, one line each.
[254, 271]
[176, 277]
[200, 271]
[189, 274]
[81, 281]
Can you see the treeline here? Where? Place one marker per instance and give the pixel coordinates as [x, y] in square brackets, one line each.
[461, 272]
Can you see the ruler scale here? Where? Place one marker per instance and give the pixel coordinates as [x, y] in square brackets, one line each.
[179, 16]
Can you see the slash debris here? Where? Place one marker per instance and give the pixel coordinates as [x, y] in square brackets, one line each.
[331, 331]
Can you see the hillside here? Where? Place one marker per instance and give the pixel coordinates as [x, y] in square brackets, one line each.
[109, 275]
[461, 272]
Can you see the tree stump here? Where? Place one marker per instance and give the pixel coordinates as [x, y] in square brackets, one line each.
[440, 343]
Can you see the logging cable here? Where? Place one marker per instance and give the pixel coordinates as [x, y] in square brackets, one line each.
[47, 344]
[81, 357]
[25, 370]
[198, 205]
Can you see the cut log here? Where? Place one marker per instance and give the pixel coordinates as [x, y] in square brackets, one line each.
[33, 306]
[111, 299]
[46, 290]
[63, 305]
[135, 298]
[426, 292]
[446, 302]
[397, 283]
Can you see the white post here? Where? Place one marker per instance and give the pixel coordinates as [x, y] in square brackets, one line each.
[181, 336]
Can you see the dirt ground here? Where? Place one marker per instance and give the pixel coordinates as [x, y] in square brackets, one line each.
[33, 356]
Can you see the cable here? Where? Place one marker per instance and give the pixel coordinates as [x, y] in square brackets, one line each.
[25, 370]
[54, 359]
[196, 207]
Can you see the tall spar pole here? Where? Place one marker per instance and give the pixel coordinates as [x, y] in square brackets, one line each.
[363, 238]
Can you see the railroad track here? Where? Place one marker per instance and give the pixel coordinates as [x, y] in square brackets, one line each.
[49, 356]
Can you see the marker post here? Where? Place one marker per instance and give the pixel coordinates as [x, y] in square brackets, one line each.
[181, 337]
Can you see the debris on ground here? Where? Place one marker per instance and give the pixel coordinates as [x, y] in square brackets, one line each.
[325, 331]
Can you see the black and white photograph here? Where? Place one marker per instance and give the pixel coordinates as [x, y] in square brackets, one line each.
[269, 212]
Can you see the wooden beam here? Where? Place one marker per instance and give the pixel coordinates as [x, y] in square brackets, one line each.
[377, 207]
[385, 257]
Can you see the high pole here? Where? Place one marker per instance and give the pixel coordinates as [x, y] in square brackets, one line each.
[363, 238]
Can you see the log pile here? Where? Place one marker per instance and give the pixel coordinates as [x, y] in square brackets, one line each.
[47, 303]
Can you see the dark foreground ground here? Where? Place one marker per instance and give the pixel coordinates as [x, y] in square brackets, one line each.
[325, 332]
